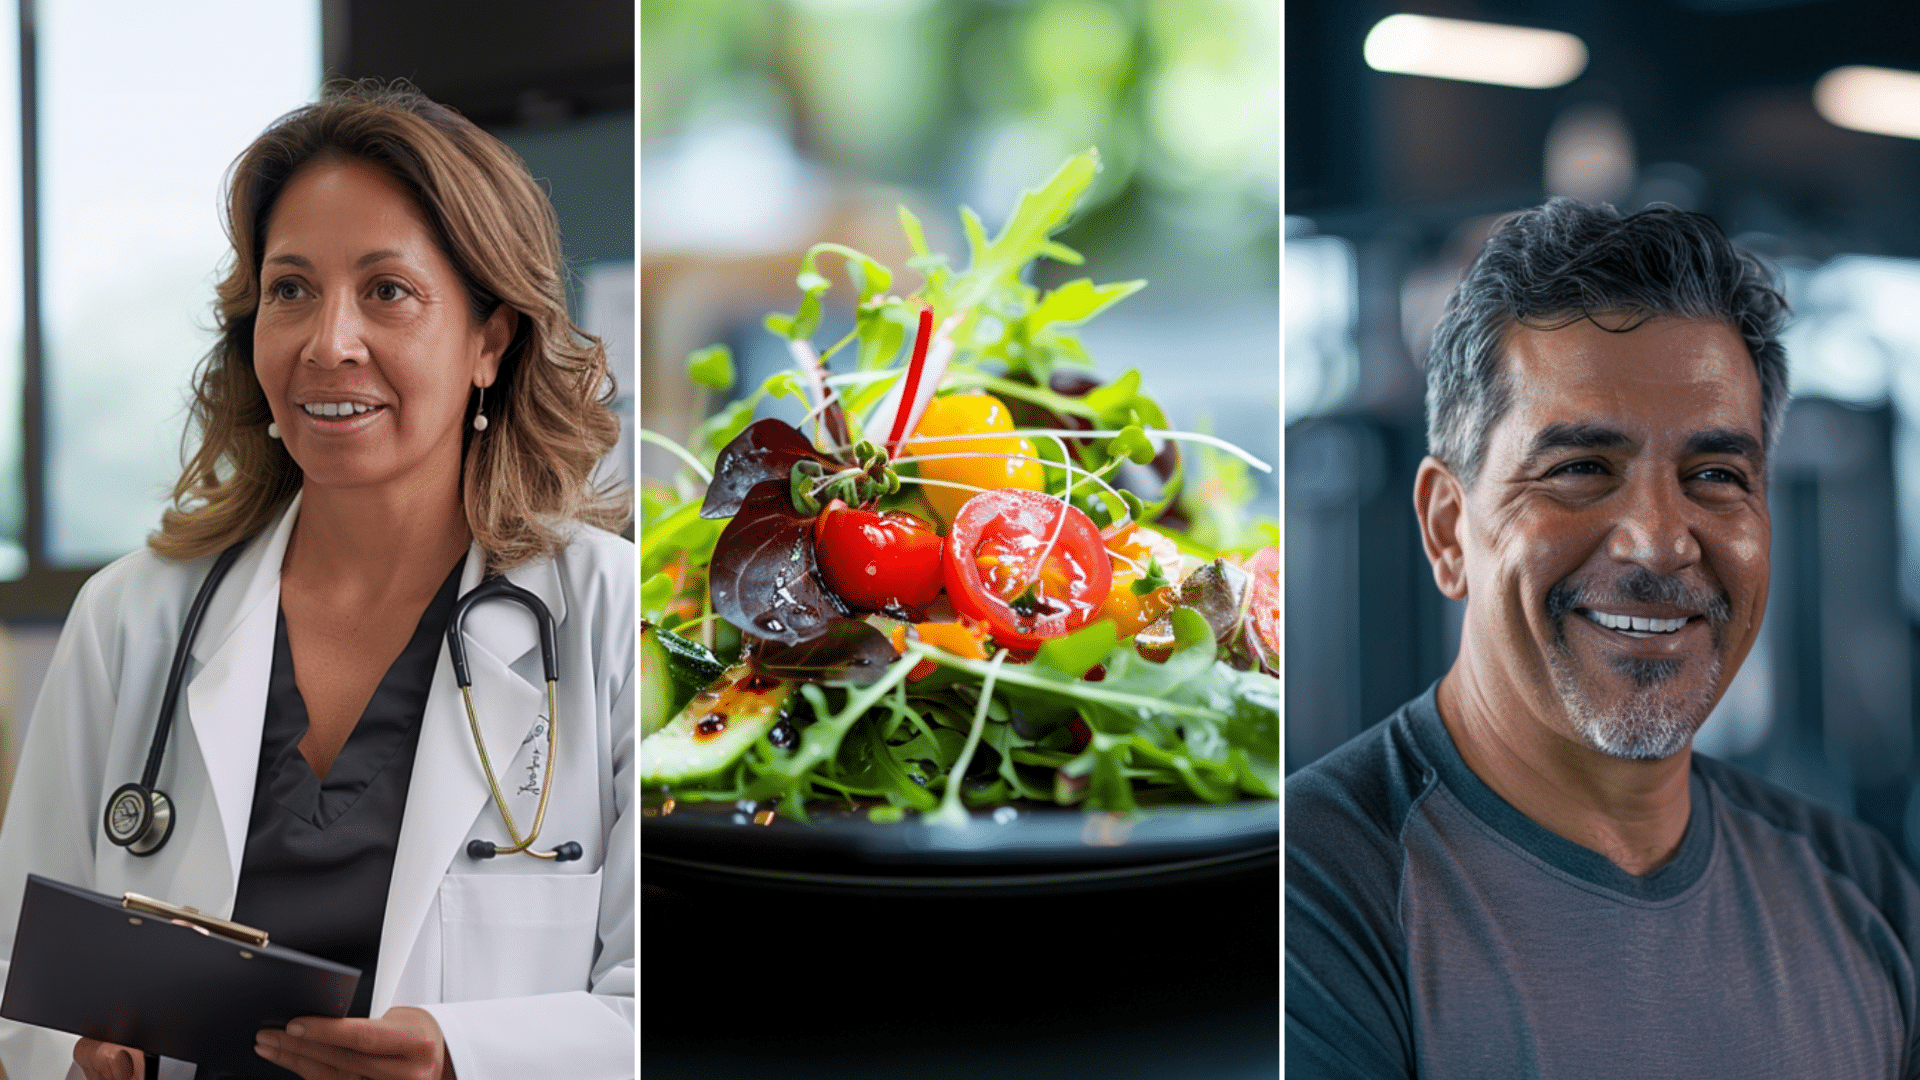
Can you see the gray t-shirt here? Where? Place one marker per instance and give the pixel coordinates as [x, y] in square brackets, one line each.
[1435, 931]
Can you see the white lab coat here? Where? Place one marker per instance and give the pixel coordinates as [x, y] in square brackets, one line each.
[527, 964]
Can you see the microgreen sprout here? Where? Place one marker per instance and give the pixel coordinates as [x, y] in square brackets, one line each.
[868, 478]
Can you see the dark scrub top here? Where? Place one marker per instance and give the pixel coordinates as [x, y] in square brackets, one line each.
[320, 852]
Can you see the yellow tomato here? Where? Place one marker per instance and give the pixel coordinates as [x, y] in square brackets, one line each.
[971, 414]
[1132, 551]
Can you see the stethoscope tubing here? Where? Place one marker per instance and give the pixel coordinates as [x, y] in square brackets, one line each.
[148, 841]
[177, 672]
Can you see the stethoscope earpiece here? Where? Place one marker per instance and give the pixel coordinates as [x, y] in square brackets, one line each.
[139, 819]
[485, 849]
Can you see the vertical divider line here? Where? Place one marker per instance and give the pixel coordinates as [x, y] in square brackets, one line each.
[33, 425]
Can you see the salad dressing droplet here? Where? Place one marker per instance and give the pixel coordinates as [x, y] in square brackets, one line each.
[783, 737]
[709, 726]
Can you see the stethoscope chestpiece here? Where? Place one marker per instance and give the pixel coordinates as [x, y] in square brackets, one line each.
[139, 818]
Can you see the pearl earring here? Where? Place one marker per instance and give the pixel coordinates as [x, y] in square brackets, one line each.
[479, 411]
[273, 430]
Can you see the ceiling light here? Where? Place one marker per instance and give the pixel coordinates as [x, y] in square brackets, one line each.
[1880, 100]
[1475, 51]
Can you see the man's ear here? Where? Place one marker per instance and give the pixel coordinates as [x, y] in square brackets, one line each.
[496, 333]
[1440, 503]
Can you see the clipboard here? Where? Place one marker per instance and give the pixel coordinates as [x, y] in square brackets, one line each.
[168, 980]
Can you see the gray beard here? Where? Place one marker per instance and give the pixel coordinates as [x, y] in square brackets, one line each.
[1652, 723]
[1655, 721]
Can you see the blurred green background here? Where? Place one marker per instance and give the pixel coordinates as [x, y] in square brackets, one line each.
[767, 125]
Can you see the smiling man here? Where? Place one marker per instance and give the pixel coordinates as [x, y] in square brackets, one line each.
[1526, 871]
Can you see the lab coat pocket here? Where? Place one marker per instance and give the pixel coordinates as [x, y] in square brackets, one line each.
[515, 935]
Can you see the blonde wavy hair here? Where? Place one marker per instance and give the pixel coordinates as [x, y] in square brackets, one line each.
[528, 480]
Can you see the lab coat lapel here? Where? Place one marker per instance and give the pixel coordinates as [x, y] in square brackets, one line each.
[227, 698]
[449, 790]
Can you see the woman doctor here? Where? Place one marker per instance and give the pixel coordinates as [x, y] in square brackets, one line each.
[398, 406]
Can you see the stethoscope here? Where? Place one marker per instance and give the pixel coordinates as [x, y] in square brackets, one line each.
[140, 816]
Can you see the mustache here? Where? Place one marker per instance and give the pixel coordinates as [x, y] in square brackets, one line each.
[1639, 586]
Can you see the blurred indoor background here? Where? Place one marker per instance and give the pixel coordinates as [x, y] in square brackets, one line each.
[118, 120]
[768, 125]
[1792, 123]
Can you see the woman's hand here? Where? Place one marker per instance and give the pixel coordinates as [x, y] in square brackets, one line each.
[111, 1061]
[405, 1044]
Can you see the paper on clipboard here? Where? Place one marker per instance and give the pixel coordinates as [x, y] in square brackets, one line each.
[167, 980]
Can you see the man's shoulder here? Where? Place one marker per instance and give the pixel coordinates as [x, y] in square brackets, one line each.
[1844, 845]
[1347, 991]
[1345, 816]
[1367, 786]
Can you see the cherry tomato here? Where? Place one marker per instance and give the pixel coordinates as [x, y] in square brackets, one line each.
[878, 562]
[995, 570]
[971, 414]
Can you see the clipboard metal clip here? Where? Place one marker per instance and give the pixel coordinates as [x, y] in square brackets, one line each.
[193, 917]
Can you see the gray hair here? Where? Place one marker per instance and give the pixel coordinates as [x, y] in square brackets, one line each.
[1552, 266]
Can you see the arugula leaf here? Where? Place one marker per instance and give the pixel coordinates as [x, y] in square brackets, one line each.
[1040, 213]
[1077, 301]
[882, 330]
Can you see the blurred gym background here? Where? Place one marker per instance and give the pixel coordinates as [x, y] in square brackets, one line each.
[1792, 123]
[118, 121]
[768, 125]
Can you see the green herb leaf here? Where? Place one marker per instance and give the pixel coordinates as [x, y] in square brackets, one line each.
[1150, 582]
[868, 276]
[655, 595]
[1113, 402]
[881, 335]
[1077, 301]
[1027, 604]
[712, 367]
[1131, 444]
[1075, 654]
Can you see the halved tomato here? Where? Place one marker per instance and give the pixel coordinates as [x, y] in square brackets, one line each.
[1014, 564]
[1263, 611]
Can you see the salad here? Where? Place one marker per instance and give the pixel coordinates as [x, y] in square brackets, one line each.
[974, 575]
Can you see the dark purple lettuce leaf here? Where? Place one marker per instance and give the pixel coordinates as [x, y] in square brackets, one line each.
[766, 450]
[764, 578]
[847, 651]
